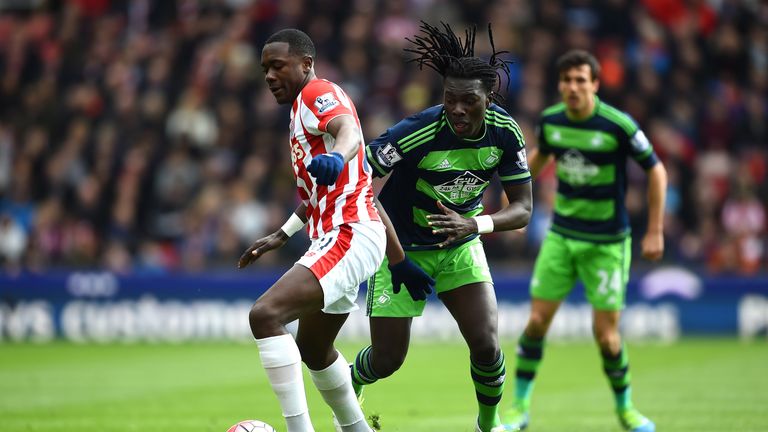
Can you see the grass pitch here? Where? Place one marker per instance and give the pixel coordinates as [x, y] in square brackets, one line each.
[693, 385]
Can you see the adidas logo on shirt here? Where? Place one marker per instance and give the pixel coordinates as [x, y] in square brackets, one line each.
[444, 164]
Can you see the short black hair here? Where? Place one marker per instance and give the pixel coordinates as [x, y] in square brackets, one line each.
[299, 43]
[576, 58]
[443, 51]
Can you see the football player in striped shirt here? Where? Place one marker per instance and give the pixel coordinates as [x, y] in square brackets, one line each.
[348, 238]
[440, 162]
[589, 238]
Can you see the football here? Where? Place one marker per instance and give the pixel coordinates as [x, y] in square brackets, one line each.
[251, 426]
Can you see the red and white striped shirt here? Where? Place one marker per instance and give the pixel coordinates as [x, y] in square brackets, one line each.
[350, 199]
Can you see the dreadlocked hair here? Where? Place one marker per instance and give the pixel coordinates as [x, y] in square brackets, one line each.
[444, 52]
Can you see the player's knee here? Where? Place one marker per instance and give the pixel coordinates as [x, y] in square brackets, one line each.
[388, 363]
[264, 320]
[487, 354]
[484, 348]
[538, 325]
[608, 341]
[316, 356]
[315, 360]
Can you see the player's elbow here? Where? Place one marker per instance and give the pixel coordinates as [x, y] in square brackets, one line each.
[525, 209]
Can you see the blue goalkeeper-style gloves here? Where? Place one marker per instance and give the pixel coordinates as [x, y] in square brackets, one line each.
[326, 167]
[417, 282]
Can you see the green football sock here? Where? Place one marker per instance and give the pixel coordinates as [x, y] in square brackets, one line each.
[529, 354]
[362, 371]
[489, 386]
[616, 368]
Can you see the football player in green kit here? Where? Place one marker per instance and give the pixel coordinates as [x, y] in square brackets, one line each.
[439, 162]
[589, 239]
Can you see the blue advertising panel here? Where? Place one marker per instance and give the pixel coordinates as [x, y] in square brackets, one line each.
[103, 307]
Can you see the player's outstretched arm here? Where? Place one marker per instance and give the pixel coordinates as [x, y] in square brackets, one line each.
[404, 271]
[537, 161]
[347, 136]
[653, 241]
[347, 141]
[394, 249]
[275, 240]
[517, 213]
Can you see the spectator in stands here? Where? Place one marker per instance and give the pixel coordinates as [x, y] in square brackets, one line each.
[116, 116]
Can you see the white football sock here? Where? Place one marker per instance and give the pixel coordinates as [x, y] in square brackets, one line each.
[282, 363]
[335, 385]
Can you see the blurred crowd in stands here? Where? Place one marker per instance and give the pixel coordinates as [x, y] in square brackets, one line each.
[139, 136]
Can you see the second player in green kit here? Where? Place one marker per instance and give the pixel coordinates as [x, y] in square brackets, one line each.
[440, 162]
[589, 238]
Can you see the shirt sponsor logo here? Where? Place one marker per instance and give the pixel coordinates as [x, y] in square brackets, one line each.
[388, 156]
[326, 102]
[462, 187]
[577, 170]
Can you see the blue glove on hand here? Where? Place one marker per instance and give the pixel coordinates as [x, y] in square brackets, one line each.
[326, 167]
[418, 283]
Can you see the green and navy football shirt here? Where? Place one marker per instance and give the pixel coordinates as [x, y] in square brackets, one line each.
[591, 169]
[429, 162]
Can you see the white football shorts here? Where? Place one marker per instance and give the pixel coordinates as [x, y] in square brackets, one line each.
[344, 258]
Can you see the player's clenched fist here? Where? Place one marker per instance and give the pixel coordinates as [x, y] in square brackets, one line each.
[326, 167]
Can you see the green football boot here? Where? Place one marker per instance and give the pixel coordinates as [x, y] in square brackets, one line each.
[497, 428]
[516, 418]
[633, 421]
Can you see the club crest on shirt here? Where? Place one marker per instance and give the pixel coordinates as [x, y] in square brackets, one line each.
[387, 155]
[384, 299]
[326, 102]
[492, 158]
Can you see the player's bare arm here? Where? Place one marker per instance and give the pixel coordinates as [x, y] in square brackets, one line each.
[394, 251]
[653, 240]
[404, 271]
[347, 141]
[537, 162]
[275, 240]
[517, 213]
[348, 137]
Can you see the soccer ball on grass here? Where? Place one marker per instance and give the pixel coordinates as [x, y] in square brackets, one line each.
[251, 426]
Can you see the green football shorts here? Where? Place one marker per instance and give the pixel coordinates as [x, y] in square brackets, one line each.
[603, 268]
[451, 268]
